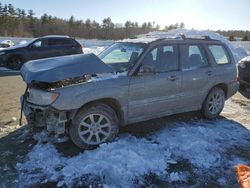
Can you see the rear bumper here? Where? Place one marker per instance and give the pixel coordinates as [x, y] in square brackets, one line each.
[233, 87]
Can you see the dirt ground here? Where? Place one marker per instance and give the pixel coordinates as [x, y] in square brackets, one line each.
[12, 135]
[11, 88]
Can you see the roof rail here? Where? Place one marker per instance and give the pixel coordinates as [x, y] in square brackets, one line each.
[57, 36]
[206, 37]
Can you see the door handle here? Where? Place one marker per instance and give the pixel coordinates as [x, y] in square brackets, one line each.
[172, 78]
[209, 73]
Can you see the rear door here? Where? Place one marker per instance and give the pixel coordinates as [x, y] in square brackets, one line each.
[197, 75]
[226, 71]
[154, 91]
[64, 46]
[56, 47]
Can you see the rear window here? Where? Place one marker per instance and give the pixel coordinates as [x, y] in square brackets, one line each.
[219, 54]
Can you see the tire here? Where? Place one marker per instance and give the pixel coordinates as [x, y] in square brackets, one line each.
[94, 125]
[15, 62]
[214, 103]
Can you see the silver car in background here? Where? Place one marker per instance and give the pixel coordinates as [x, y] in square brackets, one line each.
[90, 97]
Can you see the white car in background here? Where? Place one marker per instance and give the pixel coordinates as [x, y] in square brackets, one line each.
[6, 44]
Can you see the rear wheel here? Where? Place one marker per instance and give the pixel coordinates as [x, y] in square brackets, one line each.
[214, 103]
[94, 125]
[15, 62]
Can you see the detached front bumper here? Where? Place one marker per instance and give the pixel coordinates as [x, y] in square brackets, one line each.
[45, 116]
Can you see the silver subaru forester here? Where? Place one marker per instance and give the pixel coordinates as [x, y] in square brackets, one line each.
[89, 97]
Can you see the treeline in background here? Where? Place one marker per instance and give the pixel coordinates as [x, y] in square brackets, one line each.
[16, 22]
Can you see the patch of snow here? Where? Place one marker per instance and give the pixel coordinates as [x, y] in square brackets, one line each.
[107, 76]
[95, 50]
[204, 144]
[23, 42]
[177, 176]
[246, 58]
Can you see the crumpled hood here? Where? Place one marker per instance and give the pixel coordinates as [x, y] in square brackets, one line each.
[63, 67]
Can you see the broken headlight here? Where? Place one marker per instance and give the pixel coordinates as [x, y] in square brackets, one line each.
[41, 97]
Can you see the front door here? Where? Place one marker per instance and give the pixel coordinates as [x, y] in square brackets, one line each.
[154, 91]
[39, 49]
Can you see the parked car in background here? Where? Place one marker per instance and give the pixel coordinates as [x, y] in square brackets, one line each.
[89, 97]
[44, 47]
[244, 76]
[6, 44]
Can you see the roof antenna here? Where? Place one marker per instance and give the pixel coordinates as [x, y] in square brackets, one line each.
[183, 36]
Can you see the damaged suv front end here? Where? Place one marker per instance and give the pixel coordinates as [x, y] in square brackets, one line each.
[45, 81]
[63, 92]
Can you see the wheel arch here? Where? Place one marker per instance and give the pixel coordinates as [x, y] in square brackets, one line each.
[16, 55]
[222, 86]
[111, 102]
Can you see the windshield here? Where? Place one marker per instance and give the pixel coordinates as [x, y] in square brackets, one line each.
[122, 56]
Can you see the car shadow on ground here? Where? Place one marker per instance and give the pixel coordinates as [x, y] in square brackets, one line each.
[15, 146]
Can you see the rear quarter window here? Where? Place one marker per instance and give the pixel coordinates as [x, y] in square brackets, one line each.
[219, 53]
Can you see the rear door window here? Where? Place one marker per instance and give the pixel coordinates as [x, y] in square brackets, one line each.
[219, 54]
[193, 57]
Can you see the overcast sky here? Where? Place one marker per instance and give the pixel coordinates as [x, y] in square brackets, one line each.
[198, 14]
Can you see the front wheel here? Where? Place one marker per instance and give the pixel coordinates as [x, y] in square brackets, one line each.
[94, 125]
[15, 63]
[214, 103]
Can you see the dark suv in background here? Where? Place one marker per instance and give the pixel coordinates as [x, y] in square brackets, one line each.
[44, 47]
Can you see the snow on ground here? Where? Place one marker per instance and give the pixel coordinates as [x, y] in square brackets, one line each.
[208, 147]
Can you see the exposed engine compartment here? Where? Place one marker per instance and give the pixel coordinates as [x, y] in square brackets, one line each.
[62, 83]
